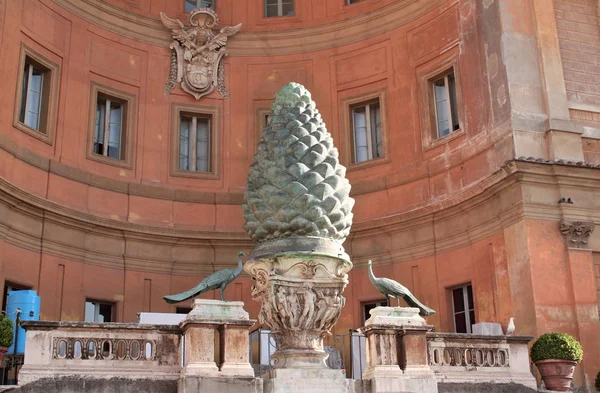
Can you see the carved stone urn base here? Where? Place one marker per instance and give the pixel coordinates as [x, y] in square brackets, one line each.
[301, 296]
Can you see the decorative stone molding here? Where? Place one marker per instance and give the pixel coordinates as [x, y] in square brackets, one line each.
[198, 52]
[577, 233]
[108, 348]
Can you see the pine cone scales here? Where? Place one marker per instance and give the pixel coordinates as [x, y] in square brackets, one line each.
[296, 185]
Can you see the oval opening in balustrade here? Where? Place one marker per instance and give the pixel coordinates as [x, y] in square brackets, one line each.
[148, 350]
[447, 357]
[106, 349]
[121, 350]
[135, 350]
[61, 353]
[91, 350]
[502, 358]
[468, 357]
[77, 349]
[458, 361]
[479, 359]
[490, 358]
[437, 361]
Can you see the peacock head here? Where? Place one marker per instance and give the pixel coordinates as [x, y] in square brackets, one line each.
[241, 254]
[370, 262]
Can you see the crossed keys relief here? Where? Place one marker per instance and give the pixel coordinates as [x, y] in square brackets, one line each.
[197, 53]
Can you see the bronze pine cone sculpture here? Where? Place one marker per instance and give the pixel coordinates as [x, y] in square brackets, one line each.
[296, 185]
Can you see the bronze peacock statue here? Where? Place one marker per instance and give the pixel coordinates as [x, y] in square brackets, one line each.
[390, 288]
[216, 280]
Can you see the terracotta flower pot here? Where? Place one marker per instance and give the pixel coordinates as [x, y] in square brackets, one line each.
[557, 374]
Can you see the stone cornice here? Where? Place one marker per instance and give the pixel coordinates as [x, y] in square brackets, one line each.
[264, 43]
[34, 223]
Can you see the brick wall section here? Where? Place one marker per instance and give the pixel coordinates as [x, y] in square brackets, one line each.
[579, 37]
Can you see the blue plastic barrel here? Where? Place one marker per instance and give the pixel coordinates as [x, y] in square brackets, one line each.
[29, 303]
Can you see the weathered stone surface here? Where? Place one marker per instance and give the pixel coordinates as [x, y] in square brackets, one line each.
[222, 385]
[483, 388]
[89, 385]
[296, 185]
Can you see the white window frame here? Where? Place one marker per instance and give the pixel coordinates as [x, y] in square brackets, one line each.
[368, 131]
[452, 112]
[279, 8]
[106, 131]
[199, 4]
[193, 142]
[27, 79]
[467, 312]
[97, 314]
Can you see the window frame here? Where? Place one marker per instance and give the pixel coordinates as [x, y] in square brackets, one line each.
[128, 125]
[369, 131]
[467, 310]
[193, 141]
[213, 7]
[377, 303]
[453, 112]
[279, 9]
[213, 113]
[347, 122]
[427, 74]
[49, 95]
[113, 310]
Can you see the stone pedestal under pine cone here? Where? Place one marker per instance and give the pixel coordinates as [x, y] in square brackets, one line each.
[298, 213]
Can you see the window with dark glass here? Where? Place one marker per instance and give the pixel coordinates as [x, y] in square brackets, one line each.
[194, 143]
[34, 95]
[348, 2]
[109, 126]
[366, 131]
[191, 5]
[463, 308]
[445, 104]
[99, 311]
[367, 307]
[279, 8]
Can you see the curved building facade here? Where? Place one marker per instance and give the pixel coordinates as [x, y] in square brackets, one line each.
[470, 132]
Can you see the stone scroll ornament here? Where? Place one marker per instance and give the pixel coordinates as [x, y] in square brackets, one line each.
[198, 51]
[298, 212]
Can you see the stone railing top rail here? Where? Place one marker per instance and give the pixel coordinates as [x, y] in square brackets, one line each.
[95, 326]
[474, 338]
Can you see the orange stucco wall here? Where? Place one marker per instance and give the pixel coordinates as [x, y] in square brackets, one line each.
[76, 229]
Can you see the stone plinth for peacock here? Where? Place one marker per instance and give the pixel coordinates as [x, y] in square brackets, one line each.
[298, 212]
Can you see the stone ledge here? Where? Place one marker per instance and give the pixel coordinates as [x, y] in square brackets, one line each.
[563, 126]
[52, 325]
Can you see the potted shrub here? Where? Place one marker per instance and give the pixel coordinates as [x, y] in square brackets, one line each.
[555, 355]
[6, 336]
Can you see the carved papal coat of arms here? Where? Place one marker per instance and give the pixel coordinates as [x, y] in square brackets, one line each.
[198, 50]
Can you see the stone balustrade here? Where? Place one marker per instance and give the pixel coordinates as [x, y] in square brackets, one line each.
[460, 358]
[101, 351]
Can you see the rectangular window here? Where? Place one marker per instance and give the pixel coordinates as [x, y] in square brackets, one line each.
[8, 287]
[348, 2]
[279, 8]
[463, 308]
[366, 127]
[367, 307]
[99, 311]
[194, 143]
[34, 97]
[445, 105]
[109, 126]
[191, 5]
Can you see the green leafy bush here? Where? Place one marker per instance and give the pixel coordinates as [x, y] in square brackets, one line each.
[6, 331]
[598, 382]
[556, 346]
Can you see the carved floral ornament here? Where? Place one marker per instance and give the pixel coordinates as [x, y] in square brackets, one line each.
[577, 233]
[198, 51]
